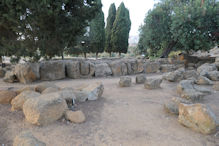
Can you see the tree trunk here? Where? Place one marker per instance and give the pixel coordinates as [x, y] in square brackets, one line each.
[119, 54]
[0, 59]
[166, 52]
[62, 56]
[85, 55]
[110, 53]
[96, 55]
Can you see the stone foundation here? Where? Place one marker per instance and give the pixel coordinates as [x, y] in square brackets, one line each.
[87, 68]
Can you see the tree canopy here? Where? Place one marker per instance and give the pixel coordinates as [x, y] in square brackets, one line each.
[120, 30]
[181, 25]
[108, 31]
[97, 33]
[45, 28]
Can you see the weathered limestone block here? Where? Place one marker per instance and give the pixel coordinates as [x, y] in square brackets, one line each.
[198, 117]
[27, 72]
[52, 70]
[45, 109]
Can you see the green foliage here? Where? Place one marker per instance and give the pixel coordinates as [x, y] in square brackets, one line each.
[50, 26]
[97, 32]
[196, 27]
[174, 54]
[108, 31]
[180, 25]
[120, 30]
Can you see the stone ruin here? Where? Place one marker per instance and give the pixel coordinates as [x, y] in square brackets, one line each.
[85, 68]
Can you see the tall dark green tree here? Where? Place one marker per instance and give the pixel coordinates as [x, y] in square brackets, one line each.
[120, 31]
[9, 22]
[97, 32]
[45, 28]
[180, 25]
[108, 31]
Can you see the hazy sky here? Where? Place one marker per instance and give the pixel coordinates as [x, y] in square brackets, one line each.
[137, 10]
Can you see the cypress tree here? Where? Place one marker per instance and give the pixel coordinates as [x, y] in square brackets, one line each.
[97, 32]
[110, 20]
[120, 31]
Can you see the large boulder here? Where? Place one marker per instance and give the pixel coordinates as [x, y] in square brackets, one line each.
[203, 81]
[125, 81]
[198, 117]
[132, 66]
[73, 69]
[2, 72]
[151, 67]
[102, 70]
[18, 101]
[6, 96]
[75, 116]
[27, 88]
[172, 106]
[140, 79]
[87, 69]
[118, 68]
[152, 83]
[42, 86]
[187, 90]
[10, 77]
[45, 109]
[89, 92]
[167, 68]
[27, 72]
[69, 95]
[174, 76]
[52, 70]
[140, 66]
[216, 86]
[26, 138]
[205, 68]
[190, 74]
[213, 75]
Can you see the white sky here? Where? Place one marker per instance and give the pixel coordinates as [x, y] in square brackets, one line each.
[137, 10]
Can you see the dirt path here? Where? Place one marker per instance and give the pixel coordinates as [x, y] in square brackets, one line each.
[130, 116]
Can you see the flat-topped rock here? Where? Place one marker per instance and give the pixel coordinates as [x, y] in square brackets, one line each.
[152, 83]
[52, 70]
[140, 79]
[125, 81]
[45, 109]
[102, 70]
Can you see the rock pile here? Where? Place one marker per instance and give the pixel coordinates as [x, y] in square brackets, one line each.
[45, 103]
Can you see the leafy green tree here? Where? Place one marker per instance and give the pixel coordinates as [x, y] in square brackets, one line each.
[180, 25]
[97, 33]
[44, 28]
[108, 31]
[196, 28]
[8, 27]
[120, 31]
